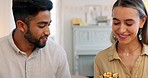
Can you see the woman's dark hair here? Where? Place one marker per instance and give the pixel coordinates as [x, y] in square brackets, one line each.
[26, 9]
[140, 7]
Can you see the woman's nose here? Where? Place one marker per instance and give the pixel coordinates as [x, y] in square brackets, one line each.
[122, 28]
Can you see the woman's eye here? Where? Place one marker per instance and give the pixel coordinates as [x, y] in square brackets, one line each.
[129, 24]
[116, 23]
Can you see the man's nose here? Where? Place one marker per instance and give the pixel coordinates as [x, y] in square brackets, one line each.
[47, 31]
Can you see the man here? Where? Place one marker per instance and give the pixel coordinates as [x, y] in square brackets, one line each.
[26, 53]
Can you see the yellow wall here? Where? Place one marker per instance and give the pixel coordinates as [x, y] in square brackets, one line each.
[146, 4]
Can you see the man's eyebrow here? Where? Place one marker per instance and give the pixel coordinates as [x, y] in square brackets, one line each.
[43, 22]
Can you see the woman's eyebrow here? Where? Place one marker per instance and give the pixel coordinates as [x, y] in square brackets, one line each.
[115, 19]
[129, 20]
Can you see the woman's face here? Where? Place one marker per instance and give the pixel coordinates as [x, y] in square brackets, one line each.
[125, 24]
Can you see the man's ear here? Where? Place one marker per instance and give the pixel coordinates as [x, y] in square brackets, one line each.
[21, 26]
[142, 22]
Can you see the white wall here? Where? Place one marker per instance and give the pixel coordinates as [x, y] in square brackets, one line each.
[6, 19]
[71, 9]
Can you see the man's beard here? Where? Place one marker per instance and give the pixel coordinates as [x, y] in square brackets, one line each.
[33, 40]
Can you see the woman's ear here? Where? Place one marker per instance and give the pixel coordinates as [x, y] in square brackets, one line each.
[142, 21]
[21, 26]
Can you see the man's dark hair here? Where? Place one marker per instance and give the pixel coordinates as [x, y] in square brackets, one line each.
[26, 9]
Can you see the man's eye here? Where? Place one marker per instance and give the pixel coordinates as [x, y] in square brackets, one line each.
[41, 26]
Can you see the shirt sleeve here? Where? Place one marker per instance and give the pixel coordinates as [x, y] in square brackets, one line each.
[96, 69]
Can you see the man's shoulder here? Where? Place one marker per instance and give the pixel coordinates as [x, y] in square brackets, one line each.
[3, 39]
[53, 50]
[52, 46]
[51, 43]
[4, 44]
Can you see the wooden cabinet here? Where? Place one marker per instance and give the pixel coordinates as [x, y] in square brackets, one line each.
[87, 42]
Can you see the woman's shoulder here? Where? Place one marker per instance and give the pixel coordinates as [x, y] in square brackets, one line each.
[104, 52]
[107, 52]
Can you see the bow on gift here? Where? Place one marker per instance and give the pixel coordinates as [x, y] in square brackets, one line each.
[109, 75]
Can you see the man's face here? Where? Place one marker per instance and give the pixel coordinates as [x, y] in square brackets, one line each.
[38, 29]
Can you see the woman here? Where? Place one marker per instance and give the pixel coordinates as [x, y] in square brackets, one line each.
[128, 55]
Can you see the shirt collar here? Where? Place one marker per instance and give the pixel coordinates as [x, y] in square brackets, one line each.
[11, 42]
[112, 55]
[144, 49]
